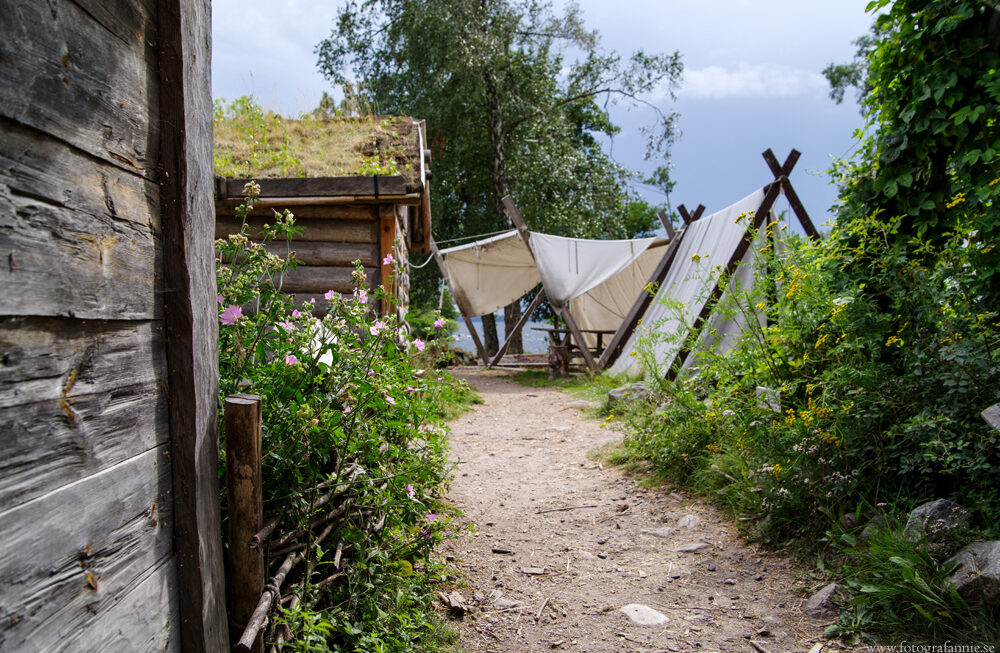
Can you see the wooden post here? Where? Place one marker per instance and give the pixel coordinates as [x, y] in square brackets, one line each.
[185, 181]
[666, 224]
[781, 172]
[386, 244]
[243, 485]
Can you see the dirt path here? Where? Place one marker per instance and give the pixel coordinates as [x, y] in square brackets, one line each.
[584, 541]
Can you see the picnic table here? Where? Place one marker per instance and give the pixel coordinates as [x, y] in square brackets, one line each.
[562, 348]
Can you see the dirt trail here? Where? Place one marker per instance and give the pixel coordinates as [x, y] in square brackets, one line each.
[585, 540]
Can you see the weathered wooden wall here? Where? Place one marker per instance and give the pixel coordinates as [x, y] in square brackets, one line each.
[87, 481]
[336, 232]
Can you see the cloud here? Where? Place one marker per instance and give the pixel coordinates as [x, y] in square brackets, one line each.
[750, 81]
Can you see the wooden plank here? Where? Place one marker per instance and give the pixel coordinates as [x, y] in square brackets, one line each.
[76, 398]
[191, 312]
[374, 186]
[305, 213]
[138, 622]
[386, 246]
[642, 302]
[71, 555]
[319, 279]
[35, 165]
[64, 262]
[330, 231]
[65, 74]
[685, 216]
[328, 254]
[245, 577]
[665, 221]
[517, 327]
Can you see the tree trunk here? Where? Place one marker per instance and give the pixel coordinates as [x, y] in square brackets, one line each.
[512, 312]
[490, 341]
[511, 316]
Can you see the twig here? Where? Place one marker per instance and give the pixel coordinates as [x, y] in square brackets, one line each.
[329, 579]
[760, 649]
[538, 615]
[336, 556]
[591, 505]
[298, 532]
[284, 632]
[262, 534]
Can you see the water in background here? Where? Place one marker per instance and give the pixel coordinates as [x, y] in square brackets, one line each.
[535, 342]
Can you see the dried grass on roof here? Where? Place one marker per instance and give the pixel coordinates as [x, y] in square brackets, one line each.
[266, 145]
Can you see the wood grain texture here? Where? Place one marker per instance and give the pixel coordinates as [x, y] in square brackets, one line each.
[58, 261]
[328, 231]
[191, 316]
[76, 398]
[322, 186]
[69, 75]
[227, 208]
[139, 622]
[330, 254]
[319, 279]
[66, 558]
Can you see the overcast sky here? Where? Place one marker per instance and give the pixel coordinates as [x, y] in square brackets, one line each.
[752, 81]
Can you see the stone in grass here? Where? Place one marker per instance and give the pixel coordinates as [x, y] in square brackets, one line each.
[935, 518]
[977, 574]
[643, 615]
[820, 604]
[628, 394]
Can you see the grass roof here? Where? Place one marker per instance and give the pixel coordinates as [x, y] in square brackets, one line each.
[250, 142]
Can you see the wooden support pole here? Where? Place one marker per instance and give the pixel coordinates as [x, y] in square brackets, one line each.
[770, 195]
[685, 216]
[642, 302]
[468, 322]
[665, 221]
[243, 485]
[517, 327]
[522, 228]
[782, 172]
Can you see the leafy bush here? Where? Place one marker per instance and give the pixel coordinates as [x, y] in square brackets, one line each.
[343, 409]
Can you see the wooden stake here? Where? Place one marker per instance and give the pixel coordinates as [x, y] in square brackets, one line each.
[243, 485]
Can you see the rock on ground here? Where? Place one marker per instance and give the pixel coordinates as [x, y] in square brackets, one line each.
[644, 615]
[934, 517]
[977, 576]
[820, 604]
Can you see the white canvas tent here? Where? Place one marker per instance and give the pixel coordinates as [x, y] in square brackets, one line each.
[590, 283]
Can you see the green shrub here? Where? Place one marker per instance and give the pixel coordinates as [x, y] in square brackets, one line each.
[342, 406]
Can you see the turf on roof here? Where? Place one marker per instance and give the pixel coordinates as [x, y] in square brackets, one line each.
[252, 143]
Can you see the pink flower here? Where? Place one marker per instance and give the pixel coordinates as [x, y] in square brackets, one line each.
[438, 323]
[296, 313]
[290, 359]
[371, 372]
[231, 314]
[330, 294]
[220, 299]
[347, 409]
[361, 294]
[429, 517]
[410, 492]
[419, 344]
[286, 325]
[388, 259]
[390, 400]
[376, 328]
[410, 389]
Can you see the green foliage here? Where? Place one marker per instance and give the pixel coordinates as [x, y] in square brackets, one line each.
[510, 91]
[259, 147]
[895, 584]
[343, 406]
[932, 99]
